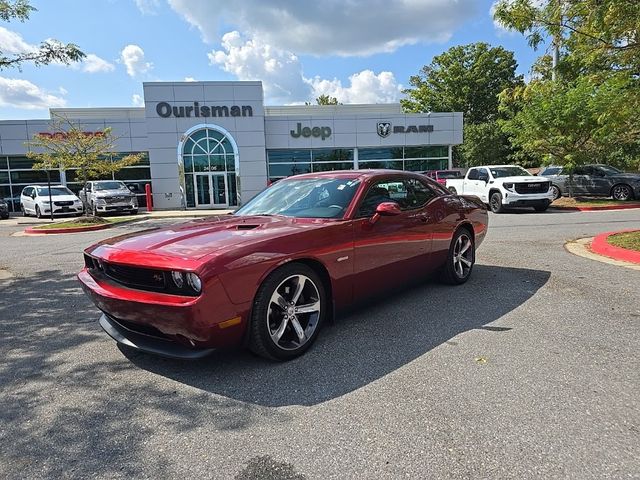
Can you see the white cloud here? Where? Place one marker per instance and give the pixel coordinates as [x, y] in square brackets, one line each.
[13, 42]
[148, 7]
[356, 27]
[283, 79]
[133, 58]
[94, 64]
[189, 79]
[364, 87]
[137, 100]
[19, 93]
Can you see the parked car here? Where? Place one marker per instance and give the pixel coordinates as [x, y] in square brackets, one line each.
[441, 176]
[594, 180]
[108, 196]
[504, 186]
[34, 200]
[273, 272]
[4, 209]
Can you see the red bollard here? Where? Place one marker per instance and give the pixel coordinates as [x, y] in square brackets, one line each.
[147, 191]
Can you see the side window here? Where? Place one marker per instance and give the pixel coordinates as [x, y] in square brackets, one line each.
[580, 171]
[473, 174]
[27, 191]
[418, 194]
[378, 193]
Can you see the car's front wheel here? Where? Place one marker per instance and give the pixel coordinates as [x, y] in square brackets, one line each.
[495, 203]
[288, 312]
[556, 192]
[460, 259]
[622, 192]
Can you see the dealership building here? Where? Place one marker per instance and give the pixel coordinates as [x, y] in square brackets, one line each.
[215, 144]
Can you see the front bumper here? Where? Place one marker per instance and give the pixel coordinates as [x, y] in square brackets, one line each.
[66, 210]
[117, 207]
[514, 199]
[147, 342]
[194, 324]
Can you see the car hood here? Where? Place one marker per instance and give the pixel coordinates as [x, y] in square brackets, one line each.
[518, 179]
[61, 198]
[113, 193]
[197, 239]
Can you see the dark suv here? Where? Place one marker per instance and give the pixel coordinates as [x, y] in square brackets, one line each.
[594, 180]
[4, 209]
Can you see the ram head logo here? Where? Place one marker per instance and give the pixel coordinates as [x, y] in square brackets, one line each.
[384, 129]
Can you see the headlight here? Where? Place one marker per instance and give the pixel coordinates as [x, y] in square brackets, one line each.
[47, 202]
[134, 201]
[194, 282]
[186, 281]
[508, 186]
[100, 201]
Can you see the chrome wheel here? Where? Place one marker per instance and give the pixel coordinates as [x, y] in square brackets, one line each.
[463, 256]
[622, 192]
[556, 192]
[294, 312]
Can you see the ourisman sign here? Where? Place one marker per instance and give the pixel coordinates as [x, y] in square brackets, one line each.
[165, 110]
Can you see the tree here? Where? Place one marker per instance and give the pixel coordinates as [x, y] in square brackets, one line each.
[325, 100]
[49, 51]
[603, 34]
[70, 147]
[468, 79]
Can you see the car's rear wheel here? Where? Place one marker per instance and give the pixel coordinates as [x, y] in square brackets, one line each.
[288, 312]
[495, 203]
[24, 212]
[622, 192]
[38, 212]
[556, 192]
[460, 259]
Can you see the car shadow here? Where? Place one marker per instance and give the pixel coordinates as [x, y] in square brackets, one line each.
[360, 347]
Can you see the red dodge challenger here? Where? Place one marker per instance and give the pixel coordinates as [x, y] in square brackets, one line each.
[272, 273]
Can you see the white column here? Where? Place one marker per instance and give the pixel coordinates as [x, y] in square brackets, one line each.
[450, 157]
[355, 158]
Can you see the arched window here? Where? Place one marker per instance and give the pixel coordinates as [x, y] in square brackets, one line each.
[209, 161]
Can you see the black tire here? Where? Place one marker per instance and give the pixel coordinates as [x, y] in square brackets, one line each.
[4, 216]
[495, 203]
[453, 190]
[38, 212]
[541, 208]
[134, 212]
[450, 270]
[267, 316]
[622, 192]
[556, 192]
[24, 212]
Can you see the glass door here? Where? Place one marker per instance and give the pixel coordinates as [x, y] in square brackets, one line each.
[211, 190]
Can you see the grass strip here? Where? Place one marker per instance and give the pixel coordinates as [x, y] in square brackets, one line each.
[82, 222]
[628, 240]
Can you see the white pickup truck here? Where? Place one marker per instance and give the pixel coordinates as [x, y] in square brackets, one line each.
[504, 186]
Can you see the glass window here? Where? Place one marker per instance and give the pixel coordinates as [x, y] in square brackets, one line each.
[191, 198]
[379, 153]
[107, 185]
[134, 173]
[551, 171]
[378, 193]
[4, 177]
[231, 162]
[426, 151]
[325, 167]
[3, 163]
[200, 163]
[55, 191]
[5, 191]
[289, 156]
[424, 164]
[418, 194]
[389, 164]
[473, 174]
[34, 176]
[509, 171]
[233, 192]
[20, 162]
[287, 170]
[332, 155]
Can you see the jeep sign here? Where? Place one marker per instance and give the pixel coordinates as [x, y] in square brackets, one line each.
[322, 132]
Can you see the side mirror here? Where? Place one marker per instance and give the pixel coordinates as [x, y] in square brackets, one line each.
[385, 209]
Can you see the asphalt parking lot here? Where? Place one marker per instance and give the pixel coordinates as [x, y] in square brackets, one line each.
[530, 370]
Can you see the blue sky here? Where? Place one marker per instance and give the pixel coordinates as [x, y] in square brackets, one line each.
[358, 51]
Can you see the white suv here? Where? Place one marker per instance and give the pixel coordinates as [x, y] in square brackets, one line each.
[34, 200]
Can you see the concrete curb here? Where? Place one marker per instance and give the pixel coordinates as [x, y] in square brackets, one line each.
[598, 207]
[601, 246]
[46, 231]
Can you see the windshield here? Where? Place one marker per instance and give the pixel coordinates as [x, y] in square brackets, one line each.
[514, 171]
[110, 186]
[551, 171]
[305, 198]
[609, 170]
[44, 191]
[449, 174]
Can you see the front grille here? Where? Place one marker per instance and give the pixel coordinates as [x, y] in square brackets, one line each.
[144, 278]
[63, 203]
[532, 187]
[115, 199]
